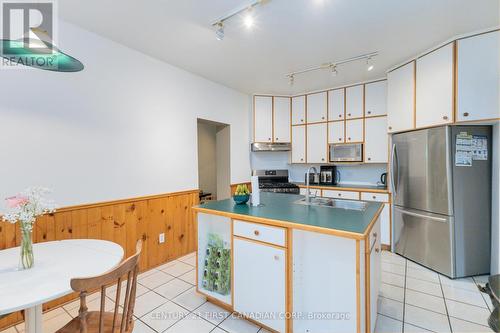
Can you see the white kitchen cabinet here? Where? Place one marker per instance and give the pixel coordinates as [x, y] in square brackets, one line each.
[281, 119]
[336, 104]
[385, 225]
[376, 140]
[299, 144]
[376, 98]
[317, 143]
[478, 83]
[354, 102]
[435, 87]
[354, 130]
[298, 110]
[260, 282]
[336, 132]
[400, 98]
[263, 119]
[316, 107]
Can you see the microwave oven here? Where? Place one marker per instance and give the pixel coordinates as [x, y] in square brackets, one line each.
[346, 152]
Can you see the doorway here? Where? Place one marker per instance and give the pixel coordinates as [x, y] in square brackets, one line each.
[214, 179]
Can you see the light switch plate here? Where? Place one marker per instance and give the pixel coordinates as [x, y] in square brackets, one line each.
[161, 238]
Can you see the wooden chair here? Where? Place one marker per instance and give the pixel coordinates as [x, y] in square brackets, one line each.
[101, 321]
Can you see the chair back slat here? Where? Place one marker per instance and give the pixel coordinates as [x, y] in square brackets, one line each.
[101, 314]
[128, 268]
[126, 302]
[130, 311]
[117, 302]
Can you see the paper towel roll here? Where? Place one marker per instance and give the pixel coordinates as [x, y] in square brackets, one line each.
[255, 191]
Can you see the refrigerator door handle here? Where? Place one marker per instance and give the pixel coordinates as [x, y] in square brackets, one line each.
[429, 217]
[393, 169]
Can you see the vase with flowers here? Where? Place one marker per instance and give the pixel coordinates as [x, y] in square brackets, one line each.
[24, 208]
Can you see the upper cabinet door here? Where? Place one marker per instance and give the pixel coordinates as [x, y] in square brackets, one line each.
[354, 131]
[263, 119]
[316, 107]
[299, 144]
[298, 110]
[478, 78]
[435, 87]
[400, 98]
[376, 98]
[354, 102]
[336, 132]
[336, 104]
[316, 143]
[281, 119]
[376, 140]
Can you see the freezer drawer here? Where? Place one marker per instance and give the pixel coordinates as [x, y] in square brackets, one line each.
[425, 238]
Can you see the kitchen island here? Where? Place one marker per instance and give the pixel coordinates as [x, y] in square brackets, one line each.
[290, 266]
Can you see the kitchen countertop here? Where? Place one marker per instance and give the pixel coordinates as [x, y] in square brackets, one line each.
[347, 187]
[280, 209]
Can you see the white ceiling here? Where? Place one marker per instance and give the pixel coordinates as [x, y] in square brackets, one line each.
[289, 35]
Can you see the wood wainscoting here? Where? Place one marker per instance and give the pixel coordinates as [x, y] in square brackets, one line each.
[123, 222]
[233, 187]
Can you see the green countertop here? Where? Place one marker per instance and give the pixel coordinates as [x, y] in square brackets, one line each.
[281, 207]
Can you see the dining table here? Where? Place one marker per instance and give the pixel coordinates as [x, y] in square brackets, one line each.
[56, 263]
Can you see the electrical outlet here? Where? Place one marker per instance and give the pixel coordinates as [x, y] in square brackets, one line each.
[161, 238]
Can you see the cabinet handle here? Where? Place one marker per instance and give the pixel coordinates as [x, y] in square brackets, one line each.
[301, 159]
[349, 114]
[340, 116]
[377, 250]
[445, 117]
[277, 139]
[390, 127]
[369, 158]
[349, 139]
[375, 234]
[466, 114]
[322, 159]
[340, 139]
[340, 194]
[276, 257]
[323, 118]
[269, 139]
[369, 112]
[374, 197]
[301, 120]
[256, 232]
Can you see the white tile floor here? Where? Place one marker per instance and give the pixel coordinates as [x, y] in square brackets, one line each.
[412, 299]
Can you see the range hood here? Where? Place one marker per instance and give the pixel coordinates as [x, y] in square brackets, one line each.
[262, 146]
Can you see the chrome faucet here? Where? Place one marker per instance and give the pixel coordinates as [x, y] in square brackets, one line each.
[308, 199]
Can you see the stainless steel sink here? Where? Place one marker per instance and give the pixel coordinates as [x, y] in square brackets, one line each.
[334, 203]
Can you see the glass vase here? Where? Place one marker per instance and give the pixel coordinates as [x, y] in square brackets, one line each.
[26, 259]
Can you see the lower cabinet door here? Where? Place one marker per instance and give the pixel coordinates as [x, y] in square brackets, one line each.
[260, 282]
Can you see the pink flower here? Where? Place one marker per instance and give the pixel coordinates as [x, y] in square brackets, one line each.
[16, 201]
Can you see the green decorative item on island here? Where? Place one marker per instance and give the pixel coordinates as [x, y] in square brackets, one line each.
[217, 266]
[241, 195]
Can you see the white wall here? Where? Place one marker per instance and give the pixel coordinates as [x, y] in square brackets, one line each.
[495, 225]
[124, 127]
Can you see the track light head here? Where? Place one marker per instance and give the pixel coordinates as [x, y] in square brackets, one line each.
[291, 79]
[219, 31]
[369, 65]
[333, 69]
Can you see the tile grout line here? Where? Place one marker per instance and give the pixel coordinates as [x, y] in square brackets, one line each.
[445, 305]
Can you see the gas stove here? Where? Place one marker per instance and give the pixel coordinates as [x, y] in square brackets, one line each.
[275, 181]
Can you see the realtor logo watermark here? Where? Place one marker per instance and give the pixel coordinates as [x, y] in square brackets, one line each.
[28, 34]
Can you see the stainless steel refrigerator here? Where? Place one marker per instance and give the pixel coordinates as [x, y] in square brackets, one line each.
[441, 184]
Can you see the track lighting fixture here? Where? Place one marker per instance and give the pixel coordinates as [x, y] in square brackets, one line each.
[333, 66]
[248, 19]
[291, 79]
[219, 32]
[369, 65]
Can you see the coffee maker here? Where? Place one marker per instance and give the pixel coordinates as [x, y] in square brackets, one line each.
[328, 175]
